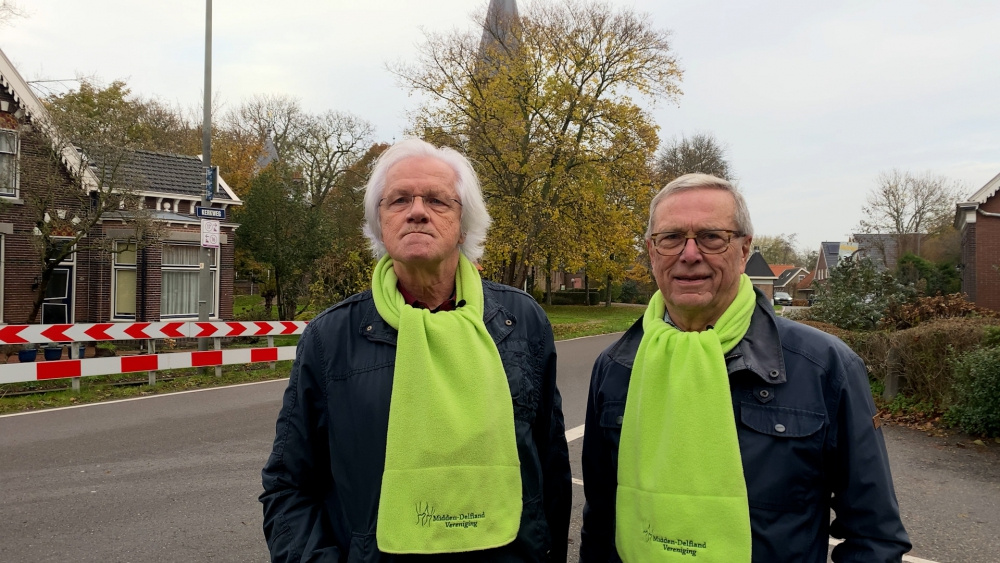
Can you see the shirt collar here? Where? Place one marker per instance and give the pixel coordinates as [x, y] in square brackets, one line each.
[412, 301]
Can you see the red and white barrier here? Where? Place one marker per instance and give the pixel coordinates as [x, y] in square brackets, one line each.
[36, 371]
[91, 332]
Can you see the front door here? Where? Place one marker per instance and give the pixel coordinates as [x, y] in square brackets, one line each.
[56, 309]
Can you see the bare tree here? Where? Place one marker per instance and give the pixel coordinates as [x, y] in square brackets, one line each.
[699, 153]
[909, 206]
[330, 145]
[278, 116]
[9, 11]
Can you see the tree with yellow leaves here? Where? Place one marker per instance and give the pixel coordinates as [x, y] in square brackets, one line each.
[543, 105]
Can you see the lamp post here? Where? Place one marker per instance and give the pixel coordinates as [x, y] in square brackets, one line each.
[205, 271]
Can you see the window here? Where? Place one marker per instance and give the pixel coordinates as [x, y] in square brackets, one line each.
[8, 163]
[125, 278]
[179, 282]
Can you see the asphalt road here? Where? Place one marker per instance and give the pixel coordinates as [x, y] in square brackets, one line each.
[175, 478]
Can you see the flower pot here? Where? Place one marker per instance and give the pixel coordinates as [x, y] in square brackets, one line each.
[83, 352]
[53, 353]
[27, 355]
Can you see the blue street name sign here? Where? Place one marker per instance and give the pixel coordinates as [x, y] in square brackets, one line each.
[211, 182]
[210, 213]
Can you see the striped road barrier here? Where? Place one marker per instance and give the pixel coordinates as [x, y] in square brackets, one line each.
[37, 371]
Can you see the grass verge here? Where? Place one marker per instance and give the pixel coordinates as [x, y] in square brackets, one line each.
[574, 321]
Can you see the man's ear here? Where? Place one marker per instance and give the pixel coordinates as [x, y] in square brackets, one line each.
[745, 248]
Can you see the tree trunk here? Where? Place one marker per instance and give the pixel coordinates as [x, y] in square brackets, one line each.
[43, 286]
[607, 291]
[548, 281]
[586, 288]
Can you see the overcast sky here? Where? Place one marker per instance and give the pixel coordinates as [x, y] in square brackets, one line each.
[812, 101]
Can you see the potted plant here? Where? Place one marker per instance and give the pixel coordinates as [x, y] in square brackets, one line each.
[27, 354]
[53, 352]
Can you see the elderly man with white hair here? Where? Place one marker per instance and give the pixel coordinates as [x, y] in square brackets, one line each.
[422, 420]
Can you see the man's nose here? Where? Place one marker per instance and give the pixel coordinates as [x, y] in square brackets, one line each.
[417, 212]
[691, 252]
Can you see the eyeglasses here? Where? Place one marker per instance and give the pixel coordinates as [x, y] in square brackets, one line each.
[709, 242]
[437, 204]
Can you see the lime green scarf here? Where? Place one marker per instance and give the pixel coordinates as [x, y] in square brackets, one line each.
[681, 490]
[452, 479]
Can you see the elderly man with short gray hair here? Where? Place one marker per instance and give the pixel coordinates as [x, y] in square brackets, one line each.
[719, 432]
[422, 420]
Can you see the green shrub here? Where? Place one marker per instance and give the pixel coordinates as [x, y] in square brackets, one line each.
[977, 378]
[857, 296]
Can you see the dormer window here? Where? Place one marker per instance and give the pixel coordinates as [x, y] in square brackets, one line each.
[8, 163]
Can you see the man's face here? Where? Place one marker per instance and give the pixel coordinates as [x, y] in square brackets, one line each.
[697, 285]
[421, 234]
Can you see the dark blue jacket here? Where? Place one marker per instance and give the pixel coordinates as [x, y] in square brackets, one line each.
[828, 455]
[324, 475]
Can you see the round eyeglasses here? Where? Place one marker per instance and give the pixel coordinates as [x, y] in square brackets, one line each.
[401, 203]
[715, 241]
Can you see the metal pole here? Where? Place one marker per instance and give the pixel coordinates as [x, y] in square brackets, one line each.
[205, 274]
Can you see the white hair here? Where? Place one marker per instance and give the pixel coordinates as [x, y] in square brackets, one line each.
[704, 181]
[475, 217]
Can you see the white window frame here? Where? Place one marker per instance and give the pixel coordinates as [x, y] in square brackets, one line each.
[213, 314]
[115, 268]
[17, 165]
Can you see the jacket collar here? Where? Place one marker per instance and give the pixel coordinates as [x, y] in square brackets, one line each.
[373, 326]
[759, 351]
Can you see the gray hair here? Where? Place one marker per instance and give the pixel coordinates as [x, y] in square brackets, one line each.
[697, 181]
[475, 217]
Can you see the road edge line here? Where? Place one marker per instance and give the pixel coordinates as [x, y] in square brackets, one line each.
[158, 395]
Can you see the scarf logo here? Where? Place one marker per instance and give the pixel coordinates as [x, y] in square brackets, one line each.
[683, 547]
[427, 515]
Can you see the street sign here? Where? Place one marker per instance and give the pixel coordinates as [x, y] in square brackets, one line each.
[210, 213]
[210, 233]
[211, 181]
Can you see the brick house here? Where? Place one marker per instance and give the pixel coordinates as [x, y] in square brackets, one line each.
[789, 279]
[158, 282]
[978, 222]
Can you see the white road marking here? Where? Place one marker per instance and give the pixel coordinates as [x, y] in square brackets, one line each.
[907, 558]
[574, 433]
[40, 411]
[591, 336]
[577, 433]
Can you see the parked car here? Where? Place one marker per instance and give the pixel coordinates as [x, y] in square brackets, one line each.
[782, 298]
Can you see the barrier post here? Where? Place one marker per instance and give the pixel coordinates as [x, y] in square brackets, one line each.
[151, 348]
[218, 346]
[72, 355]
[270, 344]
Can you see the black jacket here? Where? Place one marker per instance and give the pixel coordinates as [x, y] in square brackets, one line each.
[829, 454]
[324, 475]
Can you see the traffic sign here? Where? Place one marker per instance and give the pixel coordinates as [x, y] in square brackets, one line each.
[211, 181]
[210, 233]
[216, 213]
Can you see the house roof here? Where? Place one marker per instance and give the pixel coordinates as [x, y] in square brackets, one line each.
[173, 174]
[831, 250]
[987, 191]
[804, 284]
[777, 269]
[757, 267]
[787, 275]
[12, 81]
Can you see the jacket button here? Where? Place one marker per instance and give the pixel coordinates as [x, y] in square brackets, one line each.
[619, 420]
[369, 329]
[764, 393]
[774, 374]
[508, 322]
[779, 428]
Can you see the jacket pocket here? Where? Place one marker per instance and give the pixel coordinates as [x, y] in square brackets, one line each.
[782, 451]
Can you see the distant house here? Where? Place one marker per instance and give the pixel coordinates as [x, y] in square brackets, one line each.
[978, 221]
[805, 288]
[760, 273]
[789, 279]
[885, 250]
[777, 269]
[150, 284]
[830, 254]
